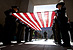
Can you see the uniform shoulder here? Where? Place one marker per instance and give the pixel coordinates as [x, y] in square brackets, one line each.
[7, 11]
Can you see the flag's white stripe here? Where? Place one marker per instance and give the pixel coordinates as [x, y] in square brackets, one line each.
[27, 20]
[46, 17]
[33, 20]
[36, 16]
[43, 18]
[22, 20]
[50, 14]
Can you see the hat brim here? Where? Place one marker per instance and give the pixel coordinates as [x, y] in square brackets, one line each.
[14, 6]
[61, 3]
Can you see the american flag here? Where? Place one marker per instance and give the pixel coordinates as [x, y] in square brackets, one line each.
[36, 20]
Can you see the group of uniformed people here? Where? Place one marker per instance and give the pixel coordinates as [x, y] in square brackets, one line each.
[14, 28]
[61, 26]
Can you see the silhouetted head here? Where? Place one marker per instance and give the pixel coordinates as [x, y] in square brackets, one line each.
[15, 8]
[59, 5]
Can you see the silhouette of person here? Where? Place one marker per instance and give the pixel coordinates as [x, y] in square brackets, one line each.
[10, 25]
[35, 35]
[20, 31]
[56, 32]
[26, 33]
[63, 23]
[31, 33]
[45, 35]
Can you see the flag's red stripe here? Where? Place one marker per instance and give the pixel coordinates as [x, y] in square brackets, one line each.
[23, 21]
[30, 20]
[52, 17]
[40, 18]
[33, 16]
[47, 18]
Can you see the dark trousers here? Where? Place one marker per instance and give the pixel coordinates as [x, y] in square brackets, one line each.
[53, 29]
[19, 33]
[31, 33]
[9, 31]
[56, 32]
[65, 34]
[26, 36]
[59, 37]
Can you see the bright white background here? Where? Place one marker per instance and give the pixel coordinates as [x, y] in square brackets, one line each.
[42, 8]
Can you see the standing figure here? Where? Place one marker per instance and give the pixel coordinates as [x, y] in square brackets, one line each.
[26, 33]
[20, 31]
[63, 23]
[45, 35]
[10, 25]
[31, 33]
[56, 31]
[35, 35]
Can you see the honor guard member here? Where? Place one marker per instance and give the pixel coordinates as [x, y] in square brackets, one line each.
[62, 21]
[10, 25]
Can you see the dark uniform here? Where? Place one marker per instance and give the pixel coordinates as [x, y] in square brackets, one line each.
[20, 32]
[10, 25]
[56, 32]
[31, 33]
[26, 33]
[35, 35]
[62, 21]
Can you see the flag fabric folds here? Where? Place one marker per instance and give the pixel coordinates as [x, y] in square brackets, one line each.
[36, 20]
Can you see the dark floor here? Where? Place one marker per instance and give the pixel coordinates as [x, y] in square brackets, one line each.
[35, 45]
